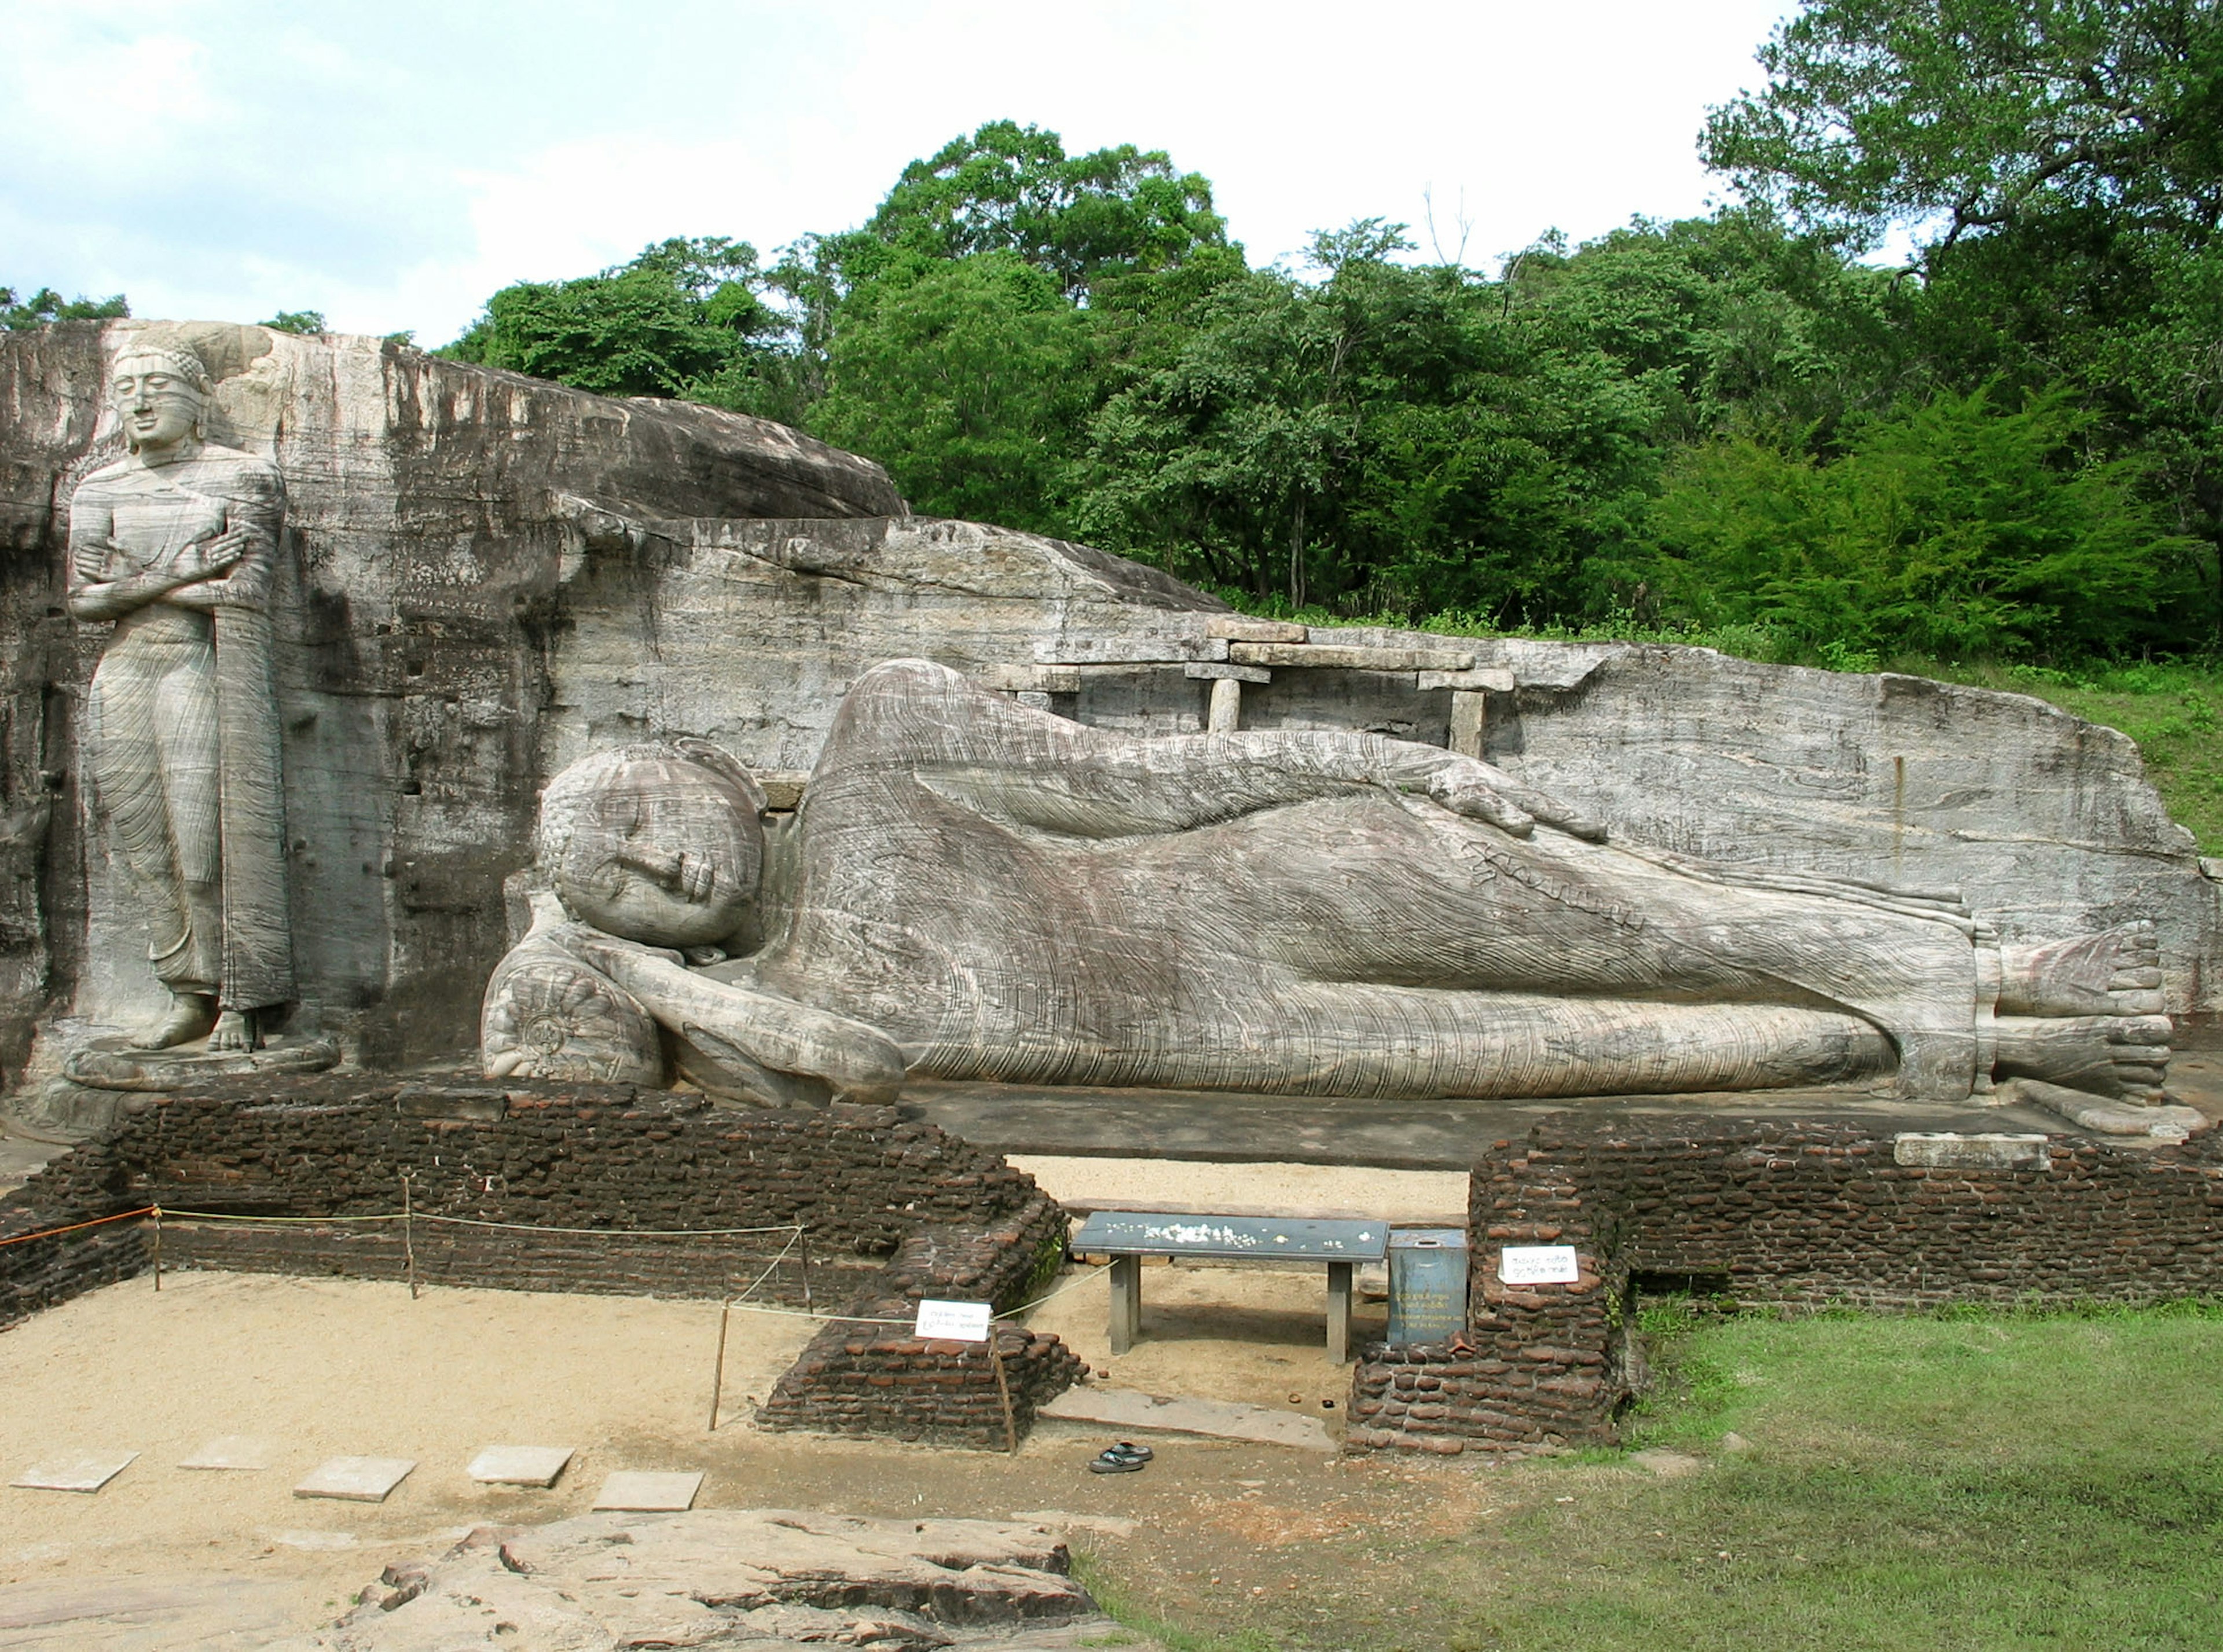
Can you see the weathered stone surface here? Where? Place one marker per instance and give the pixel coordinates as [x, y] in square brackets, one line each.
[729, 1577]
[984, 891]
[200, 1613]
[486, 577]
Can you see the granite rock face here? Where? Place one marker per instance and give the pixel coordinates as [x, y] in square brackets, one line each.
[484, 578]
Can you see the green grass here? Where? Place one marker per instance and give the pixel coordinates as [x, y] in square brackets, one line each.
[1991, 1480]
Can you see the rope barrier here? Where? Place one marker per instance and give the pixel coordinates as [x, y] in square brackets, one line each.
[48, 1232]
[797, 1231]
[471, 1221]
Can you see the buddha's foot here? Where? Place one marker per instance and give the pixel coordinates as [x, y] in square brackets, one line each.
[236, 1030]
[2125, 1057]
[2116, 972]
[191, 1015]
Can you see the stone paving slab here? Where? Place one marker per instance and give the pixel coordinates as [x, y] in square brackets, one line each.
[86, 1473]
[357, 1480]
[241, 1451]
[632, 1491]
[1129, 1408]
[520, 1465]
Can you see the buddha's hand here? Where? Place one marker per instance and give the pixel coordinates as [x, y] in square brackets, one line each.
[89, 560]
[691, 877]
[747, 1029]
[202, 560]
[1468, 786]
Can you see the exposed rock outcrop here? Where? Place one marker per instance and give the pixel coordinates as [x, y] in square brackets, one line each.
[764, 1579]
[487, 576]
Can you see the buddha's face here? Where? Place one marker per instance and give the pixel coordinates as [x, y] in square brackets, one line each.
[158, 405]
[660, 849]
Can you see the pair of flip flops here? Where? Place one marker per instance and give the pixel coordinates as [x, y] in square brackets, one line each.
[1125, 1458]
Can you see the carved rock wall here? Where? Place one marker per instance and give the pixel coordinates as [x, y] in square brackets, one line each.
[488, 576]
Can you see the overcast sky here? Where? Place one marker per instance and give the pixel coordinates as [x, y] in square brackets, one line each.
[391, 163]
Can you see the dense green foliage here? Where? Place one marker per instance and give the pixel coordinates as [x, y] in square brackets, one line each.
[2008, 449]
[297, 321]
[47, 304]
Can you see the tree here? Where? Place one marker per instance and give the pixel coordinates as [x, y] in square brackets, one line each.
[1010, 188]
[297, 321]
[1979, 113]
[2063, 159]
[969, 379]
[1959, 528]
[47, 304]
[684, 313]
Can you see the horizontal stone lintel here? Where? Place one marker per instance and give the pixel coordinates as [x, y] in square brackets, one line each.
[1337, 657]
[1241, 628]
[1213, 673]
[1495, 678]
[1131, 650]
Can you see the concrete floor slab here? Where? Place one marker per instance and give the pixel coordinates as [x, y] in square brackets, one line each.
[88, 1472]
[635, 1492]
[520, 1465]
[1128, 1408]
[239, 1451]
[357, 1480]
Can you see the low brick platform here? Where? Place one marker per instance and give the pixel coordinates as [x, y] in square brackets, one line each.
[860, 1213]
[1801, 1215]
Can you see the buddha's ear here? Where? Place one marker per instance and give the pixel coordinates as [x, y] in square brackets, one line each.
[721, 761]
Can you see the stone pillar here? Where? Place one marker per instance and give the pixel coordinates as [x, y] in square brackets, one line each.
[1226, 706]
[1467, 721]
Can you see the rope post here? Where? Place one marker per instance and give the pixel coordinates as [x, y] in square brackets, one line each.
[802, 1238]
[158, 1247]
[1003, 1393]
[718, 1376]
[408, 1238]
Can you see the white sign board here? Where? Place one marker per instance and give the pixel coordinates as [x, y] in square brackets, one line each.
[954, 1322]
[1539, 1264]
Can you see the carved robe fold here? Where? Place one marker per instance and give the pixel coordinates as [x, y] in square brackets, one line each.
[183, 735]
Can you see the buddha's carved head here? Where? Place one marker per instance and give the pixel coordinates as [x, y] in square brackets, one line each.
[160, 393]
[656, 844]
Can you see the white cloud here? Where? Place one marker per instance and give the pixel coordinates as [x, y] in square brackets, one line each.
[393, 166]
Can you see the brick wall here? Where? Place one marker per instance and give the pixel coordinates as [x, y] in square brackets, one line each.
[893, 1211]
[1794, 1214]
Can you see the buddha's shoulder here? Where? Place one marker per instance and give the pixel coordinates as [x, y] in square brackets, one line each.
[230, 468]
[241, 468]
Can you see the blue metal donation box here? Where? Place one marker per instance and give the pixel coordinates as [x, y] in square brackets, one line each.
[1427, 1284]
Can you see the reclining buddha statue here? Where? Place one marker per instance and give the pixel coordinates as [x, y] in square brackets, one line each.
[976, 889]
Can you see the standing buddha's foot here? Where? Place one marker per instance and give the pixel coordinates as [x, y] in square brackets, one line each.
[236, 1030]
[191, 1014]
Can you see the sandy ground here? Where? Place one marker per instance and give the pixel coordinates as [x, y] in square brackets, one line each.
[1254, 1333]
[327, 1368]
[1408, 1197]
